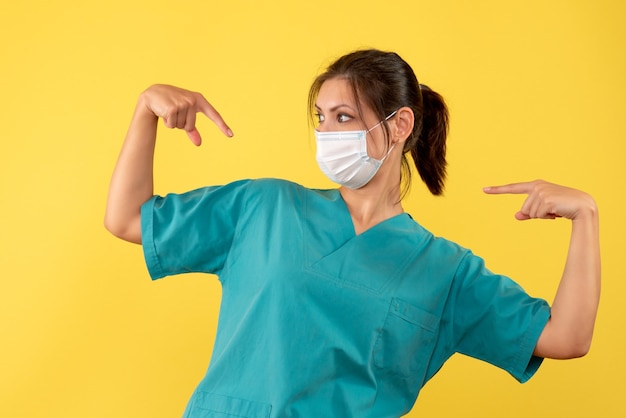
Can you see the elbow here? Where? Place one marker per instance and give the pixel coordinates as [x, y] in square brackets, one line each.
[127, 231]
[580, 349]
[112, 227]
[556, 343]
[578, 344]
[563, 351]
[575, 349]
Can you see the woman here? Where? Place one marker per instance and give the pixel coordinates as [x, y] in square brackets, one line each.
[336, 302]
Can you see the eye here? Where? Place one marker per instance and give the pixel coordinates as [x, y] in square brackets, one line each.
[319, 117]
[343, 118]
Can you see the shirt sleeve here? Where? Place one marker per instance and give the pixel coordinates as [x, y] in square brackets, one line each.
[495, 320]
[193, 231]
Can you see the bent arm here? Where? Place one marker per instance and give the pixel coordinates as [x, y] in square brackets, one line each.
[569, 331]
[132, 181]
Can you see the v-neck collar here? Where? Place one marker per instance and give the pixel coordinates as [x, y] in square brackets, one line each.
[368, 260]
[345, 212]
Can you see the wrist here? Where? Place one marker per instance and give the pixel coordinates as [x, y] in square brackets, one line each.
[588, 210]
[143, 112]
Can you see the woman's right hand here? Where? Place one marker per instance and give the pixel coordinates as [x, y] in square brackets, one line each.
[132, 180]
[178, 107]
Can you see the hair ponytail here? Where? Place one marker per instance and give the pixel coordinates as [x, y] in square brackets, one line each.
[429, 151]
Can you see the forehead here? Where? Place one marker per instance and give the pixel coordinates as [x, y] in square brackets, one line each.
[335, 92]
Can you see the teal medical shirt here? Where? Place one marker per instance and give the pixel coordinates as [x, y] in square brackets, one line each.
[316, 321]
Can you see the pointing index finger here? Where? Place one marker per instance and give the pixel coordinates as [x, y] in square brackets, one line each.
[513, 188]
[209, 111]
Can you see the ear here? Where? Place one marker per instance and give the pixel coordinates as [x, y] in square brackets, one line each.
[404, 121]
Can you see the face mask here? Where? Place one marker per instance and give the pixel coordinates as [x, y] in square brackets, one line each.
[342, 156]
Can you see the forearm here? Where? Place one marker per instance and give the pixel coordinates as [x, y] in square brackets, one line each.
[132, 180]
[570, 329]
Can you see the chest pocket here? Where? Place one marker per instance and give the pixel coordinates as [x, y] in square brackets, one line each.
[210, 405]
[406, 342]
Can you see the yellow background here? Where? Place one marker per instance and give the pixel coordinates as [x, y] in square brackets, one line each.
[535, 89]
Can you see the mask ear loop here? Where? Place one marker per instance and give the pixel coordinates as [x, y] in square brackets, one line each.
[375, 126]
[391, 115]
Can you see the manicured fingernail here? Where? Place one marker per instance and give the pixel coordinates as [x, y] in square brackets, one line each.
[230, 132]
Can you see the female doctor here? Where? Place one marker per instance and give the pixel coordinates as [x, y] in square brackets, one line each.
[336, 302]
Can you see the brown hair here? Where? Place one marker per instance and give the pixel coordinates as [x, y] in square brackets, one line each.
[385, 82]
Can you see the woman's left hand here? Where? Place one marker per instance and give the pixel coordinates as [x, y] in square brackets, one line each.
[569, 330]
[547, 200]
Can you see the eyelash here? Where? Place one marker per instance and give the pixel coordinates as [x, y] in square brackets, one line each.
[341, 118]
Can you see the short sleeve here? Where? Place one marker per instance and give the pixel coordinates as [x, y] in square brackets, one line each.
[495, 320]
[193, 231]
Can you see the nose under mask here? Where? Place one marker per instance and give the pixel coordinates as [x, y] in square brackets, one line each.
[342, 156]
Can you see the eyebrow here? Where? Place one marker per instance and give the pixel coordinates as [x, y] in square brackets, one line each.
[334, 108]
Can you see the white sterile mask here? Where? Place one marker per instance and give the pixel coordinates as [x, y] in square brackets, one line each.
[343, 157]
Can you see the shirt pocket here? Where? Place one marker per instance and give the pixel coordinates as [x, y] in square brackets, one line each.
[211, 405]
[406, 342]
